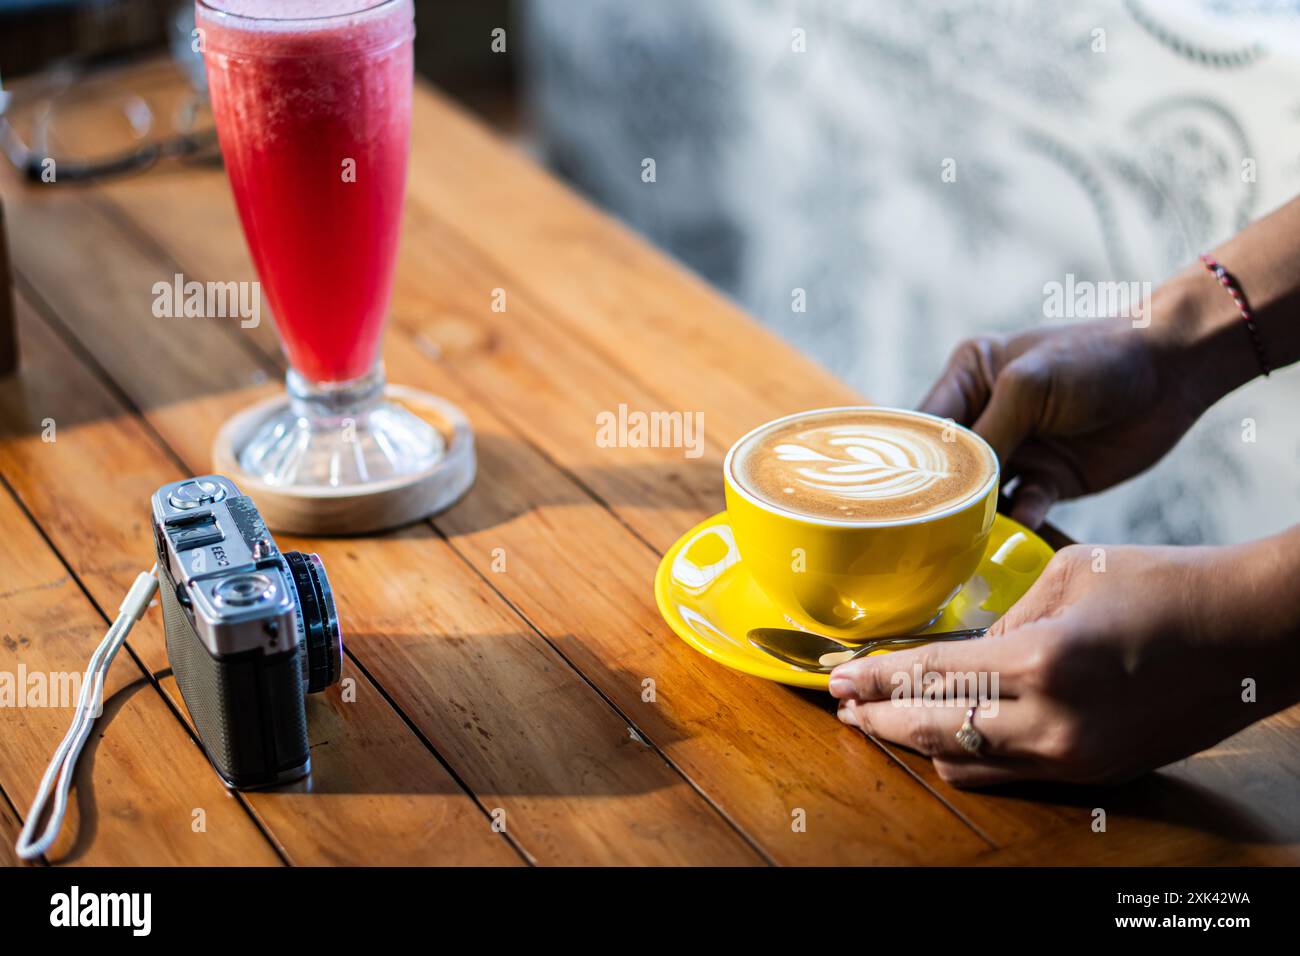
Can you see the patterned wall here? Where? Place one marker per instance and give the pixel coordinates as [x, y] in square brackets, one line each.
[1103, 138]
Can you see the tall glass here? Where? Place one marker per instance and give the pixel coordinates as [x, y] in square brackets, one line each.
[312, 102]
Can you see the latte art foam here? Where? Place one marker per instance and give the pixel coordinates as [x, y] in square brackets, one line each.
[863, 465]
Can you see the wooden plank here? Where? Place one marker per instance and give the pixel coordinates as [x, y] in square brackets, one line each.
[141, 784]
[91, 488]
[759, 750]
[577, 784]
[554, 799]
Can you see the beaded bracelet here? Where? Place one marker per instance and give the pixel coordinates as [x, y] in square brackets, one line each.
[1228, 282]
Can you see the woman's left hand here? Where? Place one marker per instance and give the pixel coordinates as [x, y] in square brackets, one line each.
[1118, 660]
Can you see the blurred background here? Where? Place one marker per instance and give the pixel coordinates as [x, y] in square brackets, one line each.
[915, 172]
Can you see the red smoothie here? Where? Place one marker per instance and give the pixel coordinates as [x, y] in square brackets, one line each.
[312, 102]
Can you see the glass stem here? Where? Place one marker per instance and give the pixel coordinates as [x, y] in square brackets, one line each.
[330, 404]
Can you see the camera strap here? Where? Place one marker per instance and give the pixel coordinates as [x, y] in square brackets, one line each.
[89, 706]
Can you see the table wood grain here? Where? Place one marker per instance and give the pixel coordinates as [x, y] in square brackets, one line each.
[497, 657]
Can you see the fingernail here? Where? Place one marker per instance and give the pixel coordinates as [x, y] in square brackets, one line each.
[841, 686]
[847, 715]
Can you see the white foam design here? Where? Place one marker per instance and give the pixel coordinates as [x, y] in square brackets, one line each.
[864, 463]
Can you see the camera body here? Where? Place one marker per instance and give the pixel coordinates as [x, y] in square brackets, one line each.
[250, 630]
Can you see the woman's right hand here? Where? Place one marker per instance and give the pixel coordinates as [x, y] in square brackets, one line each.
[1073, 409]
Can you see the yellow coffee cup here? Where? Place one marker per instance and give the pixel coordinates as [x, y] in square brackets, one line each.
[861, 578]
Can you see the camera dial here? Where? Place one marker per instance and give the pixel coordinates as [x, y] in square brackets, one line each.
[243, 590]
[196, 494]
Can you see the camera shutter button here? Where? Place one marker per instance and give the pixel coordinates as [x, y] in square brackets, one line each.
[195, 494]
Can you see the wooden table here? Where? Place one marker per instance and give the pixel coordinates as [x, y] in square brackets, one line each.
[497, 657]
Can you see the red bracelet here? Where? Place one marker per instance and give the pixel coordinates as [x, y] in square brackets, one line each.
[1228, 282]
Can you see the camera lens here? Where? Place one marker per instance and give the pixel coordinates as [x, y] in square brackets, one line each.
[317, 620]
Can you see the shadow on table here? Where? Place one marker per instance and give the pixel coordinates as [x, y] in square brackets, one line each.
[520, 726]
[1165, 798]
[1161, 796]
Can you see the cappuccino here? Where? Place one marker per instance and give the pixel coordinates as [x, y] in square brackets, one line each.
[861, 465]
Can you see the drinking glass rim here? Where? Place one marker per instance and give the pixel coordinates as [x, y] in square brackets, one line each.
[208, 5]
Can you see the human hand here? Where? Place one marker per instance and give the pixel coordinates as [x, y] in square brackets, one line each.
[1071, 410]
[1116, 661]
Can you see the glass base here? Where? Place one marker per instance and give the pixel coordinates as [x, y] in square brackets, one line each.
[353, 437]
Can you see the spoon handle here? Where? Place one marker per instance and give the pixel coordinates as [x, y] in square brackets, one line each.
[966, 634]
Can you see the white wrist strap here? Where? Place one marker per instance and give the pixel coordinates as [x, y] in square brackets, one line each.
[89, 706]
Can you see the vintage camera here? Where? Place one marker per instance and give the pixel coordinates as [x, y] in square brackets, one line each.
[250, 630]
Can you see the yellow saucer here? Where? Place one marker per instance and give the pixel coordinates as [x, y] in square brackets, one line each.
[711, 602]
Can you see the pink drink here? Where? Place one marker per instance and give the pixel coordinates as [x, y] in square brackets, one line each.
[312, 100]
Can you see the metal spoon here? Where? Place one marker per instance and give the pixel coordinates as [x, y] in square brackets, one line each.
[812, 652]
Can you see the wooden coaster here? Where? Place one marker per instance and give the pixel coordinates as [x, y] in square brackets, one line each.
[378, 506]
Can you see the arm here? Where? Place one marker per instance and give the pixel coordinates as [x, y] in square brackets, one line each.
[1075, 409]
[1193, 313]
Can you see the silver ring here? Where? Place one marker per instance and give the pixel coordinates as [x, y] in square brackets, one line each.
[971, 740]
